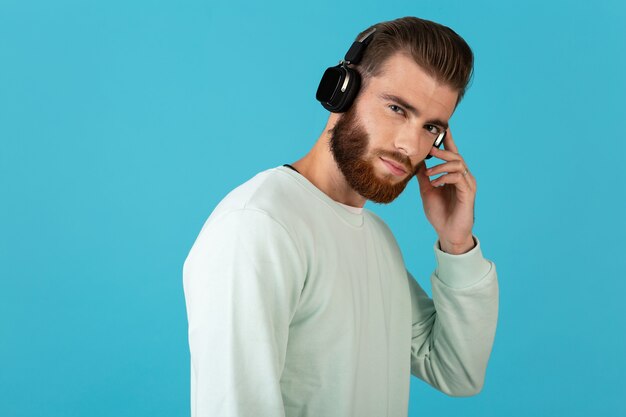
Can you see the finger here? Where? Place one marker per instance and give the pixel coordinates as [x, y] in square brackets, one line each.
[448, 142]
[450, 145]
[455, 178]
[452, 166]
[422, 178]
[446, 155]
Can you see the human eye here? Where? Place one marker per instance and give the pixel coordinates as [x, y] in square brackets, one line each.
[396, 109]
[434, 130]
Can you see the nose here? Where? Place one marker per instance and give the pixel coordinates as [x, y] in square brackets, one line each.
[414, 144]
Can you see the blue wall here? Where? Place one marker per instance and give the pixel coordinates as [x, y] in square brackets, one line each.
[122, 124]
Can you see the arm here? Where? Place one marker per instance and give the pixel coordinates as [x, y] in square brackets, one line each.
[242, 281]
[453, 332]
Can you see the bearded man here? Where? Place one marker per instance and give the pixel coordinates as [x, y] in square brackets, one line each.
[298, 299]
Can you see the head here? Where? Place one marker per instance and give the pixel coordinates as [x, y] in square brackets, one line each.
[414, 73]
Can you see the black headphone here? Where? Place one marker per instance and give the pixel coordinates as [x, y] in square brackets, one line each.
[340, 84]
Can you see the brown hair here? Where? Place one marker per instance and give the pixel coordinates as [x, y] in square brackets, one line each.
[439, 50]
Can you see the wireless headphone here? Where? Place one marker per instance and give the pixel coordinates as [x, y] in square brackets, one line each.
[340, 84]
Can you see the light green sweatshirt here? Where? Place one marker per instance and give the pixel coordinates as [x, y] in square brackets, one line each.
[298, 306]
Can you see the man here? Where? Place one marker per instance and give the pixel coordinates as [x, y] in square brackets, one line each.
[298, 299]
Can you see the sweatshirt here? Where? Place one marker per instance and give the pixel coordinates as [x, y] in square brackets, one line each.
[298, 306]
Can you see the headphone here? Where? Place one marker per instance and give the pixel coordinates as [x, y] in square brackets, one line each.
[340, 84]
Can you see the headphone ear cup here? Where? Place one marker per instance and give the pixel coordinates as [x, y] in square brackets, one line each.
[438, 145]
[338, 88]
[352, 89]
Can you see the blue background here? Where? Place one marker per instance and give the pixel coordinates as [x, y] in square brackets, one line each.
[122, 125]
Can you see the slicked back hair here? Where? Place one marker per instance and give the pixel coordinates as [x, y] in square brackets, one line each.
[436, 48]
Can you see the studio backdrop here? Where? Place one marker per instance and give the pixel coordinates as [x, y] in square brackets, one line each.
[123, 124]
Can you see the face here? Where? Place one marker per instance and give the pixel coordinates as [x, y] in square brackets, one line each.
[390, 128]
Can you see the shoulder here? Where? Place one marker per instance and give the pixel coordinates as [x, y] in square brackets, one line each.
[269, 197]
[264, 192]
[250, 193]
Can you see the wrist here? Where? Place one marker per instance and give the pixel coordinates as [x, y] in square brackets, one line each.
[457, 249]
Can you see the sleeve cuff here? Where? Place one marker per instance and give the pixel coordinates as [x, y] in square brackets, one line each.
[464, 270]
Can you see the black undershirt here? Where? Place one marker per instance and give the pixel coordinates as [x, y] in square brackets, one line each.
[289, 166]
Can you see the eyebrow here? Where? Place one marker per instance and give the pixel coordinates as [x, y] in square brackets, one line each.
[412, 109]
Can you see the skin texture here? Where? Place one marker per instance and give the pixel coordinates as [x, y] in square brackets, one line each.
[347, 160]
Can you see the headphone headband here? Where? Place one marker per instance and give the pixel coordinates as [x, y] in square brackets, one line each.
[355, 53]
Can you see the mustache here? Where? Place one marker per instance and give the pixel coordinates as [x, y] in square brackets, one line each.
[399, 158]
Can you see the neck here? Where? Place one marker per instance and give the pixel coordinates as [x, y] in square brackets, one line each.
[320, 168]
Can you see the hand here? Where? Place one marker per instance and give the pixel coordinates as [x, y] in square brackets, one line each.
[449, 200]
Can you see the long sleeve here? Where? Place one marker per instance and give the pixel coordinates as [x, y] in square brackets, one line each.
[453, 332]
[242, 280]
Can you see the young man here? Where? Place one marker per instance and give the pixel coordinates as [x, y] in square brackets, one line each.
[298, 299]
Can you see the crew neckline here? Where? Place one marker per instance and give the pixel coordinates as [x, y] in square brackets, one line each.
[346, 212]
[352, 209]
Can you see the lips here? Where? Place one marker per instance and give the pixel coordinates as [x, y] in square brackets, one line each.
[394, 167]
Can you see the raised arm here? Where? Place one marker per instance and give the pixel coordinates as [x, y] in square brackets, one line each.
[242, 281]
[453, 332]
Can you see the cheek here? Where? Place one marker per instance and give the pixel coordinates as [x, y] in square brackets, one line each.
[383, 138]
[380, 127]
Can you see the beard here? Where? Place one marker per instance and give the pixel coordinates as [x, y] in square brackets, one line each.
[349, 145]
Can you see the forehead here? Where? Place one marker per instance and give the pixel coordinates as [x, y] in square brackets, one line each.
[401, 76]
